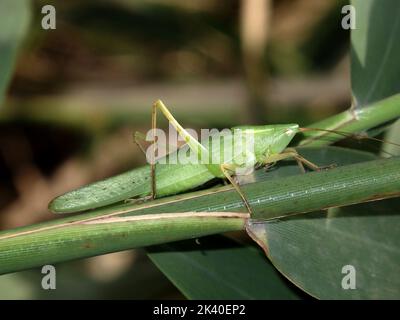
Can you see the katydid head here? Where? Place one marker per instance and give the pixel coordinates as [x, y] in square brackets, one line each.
[269, 139]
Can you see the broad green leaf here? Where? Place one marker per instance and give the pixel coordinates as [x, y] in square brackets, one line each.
[216, 267]
[14, 22]
[375, 51]
[311, 250]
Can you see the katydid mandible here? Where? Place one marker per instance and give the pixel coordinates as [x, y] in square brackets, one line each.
[158, 180]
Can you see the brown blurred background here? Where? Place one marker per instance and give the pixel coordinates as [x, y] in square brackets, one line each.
[80, 91]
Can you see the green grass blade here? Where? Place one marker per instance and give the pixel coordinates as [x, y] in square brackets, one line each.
[68, 239]
[119, 228]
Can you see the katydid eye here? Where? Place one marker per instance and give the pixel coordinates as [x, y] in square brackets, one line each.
[289, 132]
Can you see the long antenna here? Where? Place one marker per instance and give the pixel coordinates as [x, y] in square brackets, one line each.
[349, 135]
[354, 136]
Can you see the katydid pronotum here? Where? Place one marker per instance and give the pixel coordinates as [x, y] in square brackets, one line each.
[270, 145]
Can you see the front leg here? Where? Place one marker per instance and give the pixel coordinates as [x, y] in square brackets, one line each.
[292, 153]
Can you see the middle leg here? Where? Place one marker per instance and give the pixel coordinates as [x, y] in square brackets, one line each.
[224, 169]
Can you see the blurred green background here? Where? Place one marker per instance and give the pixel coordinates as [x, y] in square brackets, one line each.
[79, 92]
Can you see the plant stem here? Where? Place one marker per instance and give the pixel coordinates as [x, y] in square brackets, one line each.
[353, 120]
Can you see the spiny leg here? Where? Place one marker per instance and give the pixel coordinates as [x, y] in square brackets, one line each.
[301, 161]
[281, 156]
[300, 165]
[298, 161]
[292, 153]
[190, 140]
[308, 163]
[224, 168]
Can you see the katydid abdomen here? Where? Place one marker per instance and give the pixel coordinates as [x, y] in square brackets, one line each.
[131, 184]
